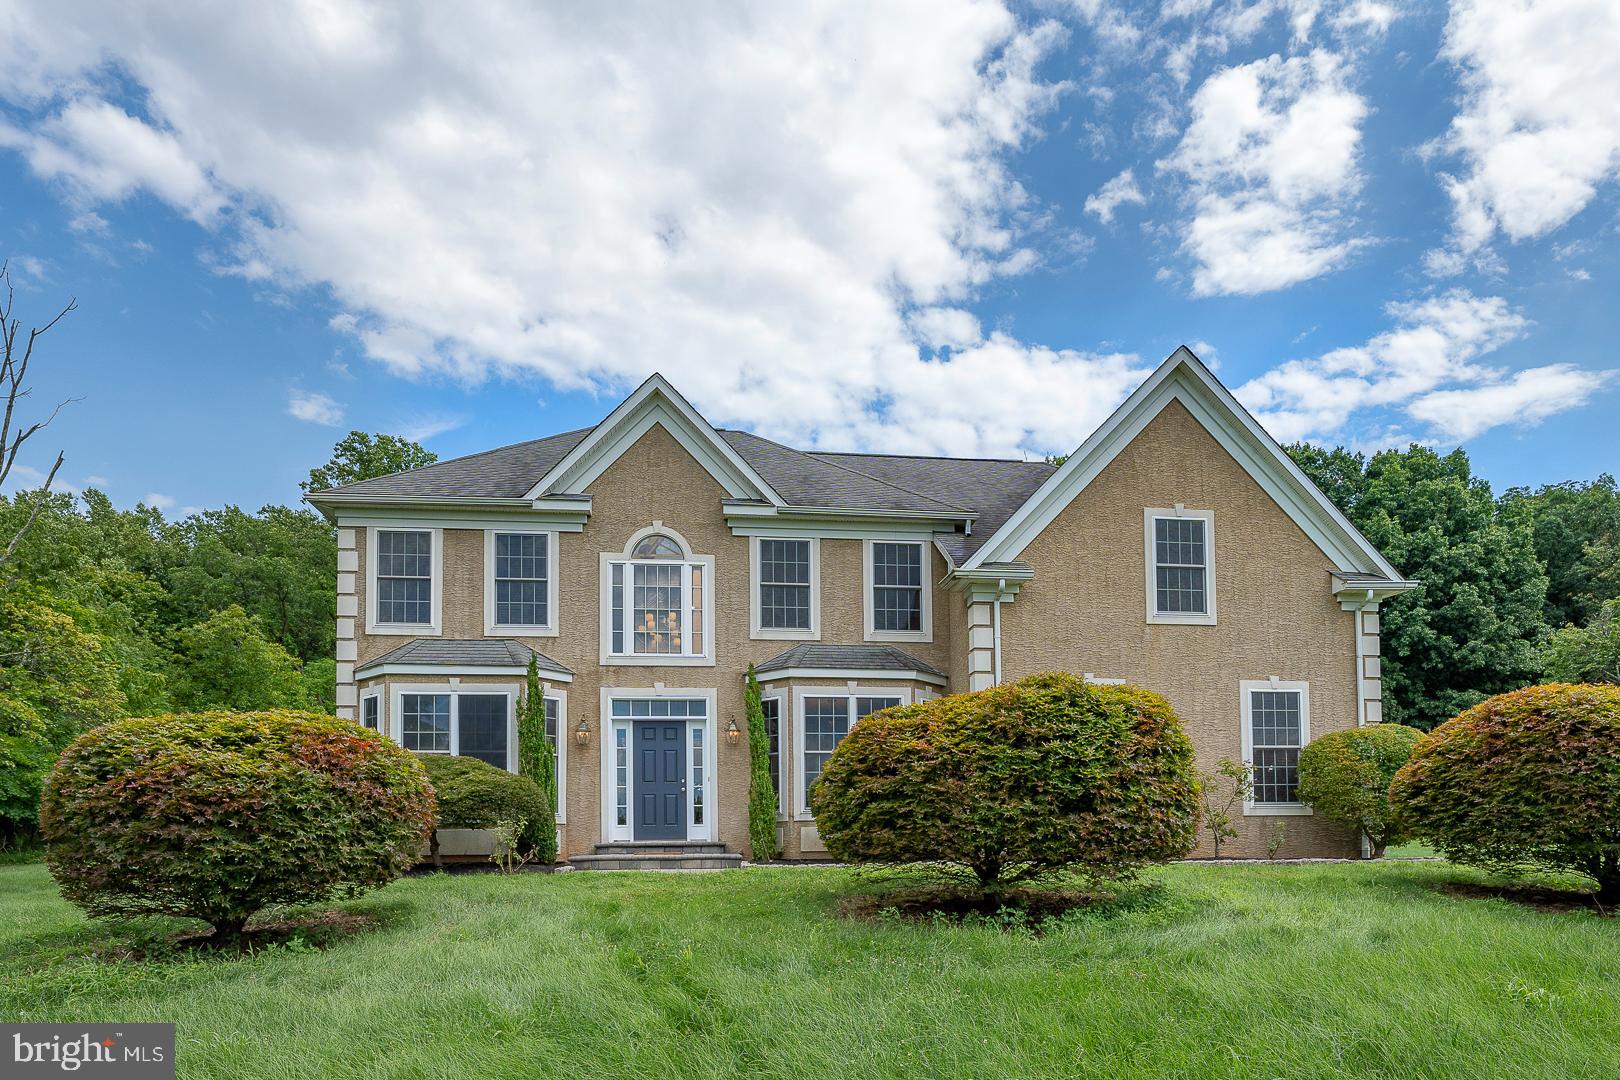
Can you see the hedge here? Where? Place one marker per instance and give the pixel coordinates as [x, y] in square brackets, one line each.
[1345, 777]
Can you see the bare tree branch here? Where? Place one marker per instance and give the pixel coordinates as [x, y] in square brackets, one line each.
[14, 363]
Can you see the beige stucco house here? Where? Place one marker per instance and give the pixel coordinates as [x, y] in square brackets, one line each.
[648, 560]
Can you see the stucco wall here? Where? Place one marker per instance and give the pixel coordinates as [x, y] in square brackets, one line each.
[656, 479]
[1085, 611]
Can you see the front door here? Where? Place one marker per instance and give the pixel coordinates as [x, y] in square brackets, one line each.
[660, 780]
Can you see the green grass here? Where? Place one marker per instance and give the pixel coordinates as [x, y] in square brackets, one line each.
[1217, 971]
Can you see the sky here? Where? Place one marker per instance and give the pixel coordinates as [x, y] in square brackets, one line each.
[950, 226]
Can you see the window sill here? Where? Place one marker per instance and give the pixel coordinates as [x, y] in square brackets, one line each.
[1276, 810]
[1156, 618]
[776, 634]
[657, 661]
[404, 629]
[520, 631]
[916, 636]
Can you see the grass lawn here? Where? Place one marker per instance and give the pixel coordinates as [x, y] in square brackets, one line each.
[1247, 971]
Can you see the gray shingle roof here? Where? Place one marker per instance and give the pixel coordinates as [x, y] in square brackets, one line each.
[466, 652]
[507, 472]
[991, 487]
[804, 479]
[846, 658]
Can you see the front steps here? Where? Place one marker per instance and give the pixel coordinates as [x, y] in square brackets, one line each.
[659, 855]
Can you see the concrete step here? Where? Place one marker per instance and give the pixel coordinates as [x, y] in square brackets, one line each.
[655, 860]
[661, 847]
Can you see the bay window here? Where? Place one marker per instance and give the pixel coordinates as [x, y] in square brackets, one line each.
[825, 718]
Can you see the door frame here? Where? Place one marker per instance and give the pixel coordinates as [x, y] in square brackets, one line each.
[607, 731]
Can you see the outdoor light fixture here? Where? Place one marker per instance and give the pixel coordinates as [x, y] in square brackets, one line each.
[732, 733]
[582, 734]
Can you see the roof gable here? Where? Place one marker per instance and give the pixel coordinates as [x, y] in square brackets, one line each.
[1184, 378]
[655, 402]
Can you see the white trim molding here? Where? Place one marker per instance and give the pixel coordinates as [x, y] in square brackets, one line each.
[926, 634]
[435, 589]
[606, 562]
[496, 629]
[607, 738]
[758, 632]
[455, 689]
[1151, 515]
[1246, 690]
[788, 674]
[849, 691]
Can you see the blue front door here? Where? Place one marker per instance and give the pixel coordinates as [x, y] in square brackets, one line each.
[660, 780]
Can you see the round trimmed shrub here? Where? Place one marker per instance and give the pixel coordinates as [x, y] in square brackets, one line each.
[1049, 773]
[216, 815]
[474, 794]
[1345, 777]
[1527, 779]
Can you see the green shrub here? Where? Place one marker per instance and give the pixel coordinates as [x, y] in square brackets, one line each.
[217, 815]
[474, 794]
[762, 799]
[1345, 777]
[1527, 779]
[537, 760]
[1014, 782]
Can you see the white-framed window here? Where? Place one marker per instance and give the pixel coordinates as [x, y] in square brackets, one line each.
[772, 708]
[1179, 552]
[898, 587]
[825, 716]
[556, 703]
[462, 720]
[785, 586]
[520, 581]
[657, 602]
[1276, 724]
[371, 711]
[622, 707]
[404, 579]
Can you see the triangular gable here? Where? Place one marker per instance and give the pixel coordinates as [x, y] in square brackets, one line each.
[1184, 378]
[655, 402]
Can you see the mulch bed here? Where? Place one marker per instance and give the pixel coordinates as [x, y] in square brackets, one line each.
[1033, 906]
[316, 930]
[1552, 901]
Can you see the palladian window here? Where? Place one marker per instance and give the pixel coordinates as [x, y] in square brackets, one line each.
[658, 600]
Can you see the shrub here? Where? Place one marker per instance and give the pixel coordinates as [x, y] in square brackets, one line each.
[537, 760]
[1014, 782]
[1345, 776]
[217, 815]
[474, 794]
[762, 799]
[1527, 779]
[1229, 786]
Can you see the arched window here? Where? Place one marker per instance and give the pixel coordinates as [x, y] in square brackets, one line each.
[657, 546]
[658, 597]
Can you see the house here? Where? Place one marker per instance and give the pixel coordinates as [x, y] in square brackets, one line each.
[648, 560]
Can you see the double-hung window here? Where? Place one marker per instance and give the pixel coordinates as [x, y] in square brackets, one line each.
[657, 604]
[1276, 723]
[461, 724]
[785, 600]
[1180, 555]
[520, 586]
[897, 591]
[371, 711]
[403, 590]
[772, 709]
[827, 718]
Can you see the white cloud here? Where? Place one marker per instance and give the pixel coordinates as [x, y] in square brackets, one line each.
[1539, 127]
[97, 481]
[1270, 163]
[159, 501]
[1112, 195]
[946, 327]
[1425, 367]
[423, 428]
[314, 408]
[753, 202]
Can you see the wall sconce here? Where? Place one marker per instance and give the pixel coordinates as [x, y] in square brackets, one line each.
[582, 734]
[733, 733]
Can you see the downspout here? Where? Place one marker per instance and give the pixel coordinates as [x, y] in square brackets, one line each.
[995, 622]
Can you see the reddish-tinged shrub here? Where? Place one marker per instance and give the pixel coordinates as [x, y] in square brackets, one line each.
[1046, 774]
[217, 815]
[1527, 779]
[1345, 776]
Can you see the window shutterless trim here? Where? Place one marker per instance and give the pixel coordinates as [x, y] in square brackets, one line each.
[784, 722]
[1150, 554]
[491, 626]
[1247, 688]
[801, 811]
[455, 691]
[435, 590]
[926, 616]
[377, 696]
[606, 562]
[756, 582]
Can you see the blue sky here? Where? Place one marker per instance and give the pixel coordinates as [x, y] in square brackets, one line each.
[949, 228]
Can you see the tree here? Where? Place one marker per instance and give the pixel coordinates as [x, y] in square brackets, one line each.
[1345, 777]
[1577, 536]
[16, 353]
[762, 798]
[1218, 810]
[226, 662]
[1586, 654]
[1473, 627]
[537, 760]
[362, 456]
